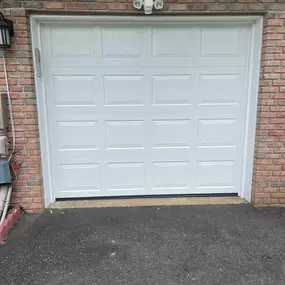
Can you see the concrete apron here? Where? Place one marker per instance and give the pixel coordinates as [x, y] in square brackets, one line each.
[135, 202]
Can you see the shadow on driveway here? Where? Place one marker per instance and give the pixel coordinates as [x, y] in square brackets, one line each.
[207, 245]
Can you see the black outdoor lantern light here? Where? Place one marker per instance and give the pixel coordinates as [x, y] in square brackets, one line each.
[6, 32]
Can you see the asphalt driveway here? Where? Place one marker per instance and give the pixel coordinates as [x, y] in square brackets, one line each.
[223, 245]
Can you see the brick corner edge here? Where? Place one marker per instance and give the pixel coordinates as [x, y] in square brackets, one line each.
[10, 221]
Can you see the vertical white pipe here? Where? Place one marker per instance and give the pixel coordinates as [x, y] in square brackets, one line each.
[6, 205]
[10, 108]
[3, 196]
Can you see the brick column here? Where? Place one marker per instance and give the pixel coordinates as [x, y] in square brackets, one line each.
[269, 168]
[28, 190]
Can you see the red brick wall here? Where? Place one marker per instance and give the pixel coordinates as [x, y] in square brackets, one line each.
[269, 167]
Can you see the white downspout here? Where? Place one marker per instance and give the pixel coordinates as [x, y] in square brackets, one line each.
[3, 196]
[6, 190]
[7, 204]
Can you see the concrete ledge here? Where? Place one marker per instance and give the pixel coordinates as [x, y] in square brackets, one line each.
[11, 220]
[140, 202]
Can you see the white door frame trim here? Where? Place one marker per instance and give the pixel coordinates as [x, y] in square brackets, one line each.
[253, 80]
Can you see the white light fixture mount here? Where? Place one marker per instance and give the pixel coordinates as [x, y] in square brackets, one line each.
[148, 5]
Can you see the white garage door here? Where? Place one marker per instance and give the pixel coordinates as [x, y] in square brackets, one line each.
[145, 109]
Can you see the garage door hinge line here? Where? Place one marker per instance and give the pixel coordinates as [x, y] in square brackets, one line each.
[38, 62]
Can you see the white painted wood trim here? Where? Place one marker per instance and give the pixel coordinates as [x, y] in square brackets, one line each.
[144, 19]
[42, 116]
[257, 25]
[251, 112]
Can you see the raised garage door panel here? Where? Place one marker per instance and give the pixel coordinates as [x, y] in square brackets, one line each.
[145, 110]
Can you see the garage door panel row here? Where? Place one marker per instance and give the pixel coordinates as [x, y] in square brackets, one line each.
[160, 41]
[131, 94]
[215, 138]
[199, 46]
[131, 178]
